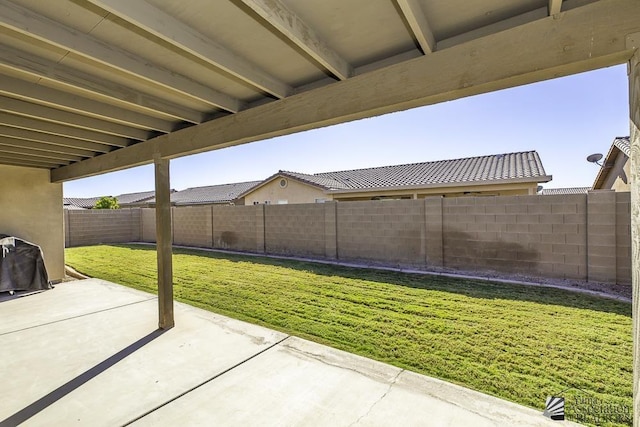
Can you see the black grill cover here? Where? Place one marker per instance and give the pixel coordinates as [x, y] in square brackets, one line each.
[21, 266]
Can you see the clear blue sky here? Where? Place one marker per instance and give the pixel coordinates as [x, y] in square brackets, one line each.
[565, 120]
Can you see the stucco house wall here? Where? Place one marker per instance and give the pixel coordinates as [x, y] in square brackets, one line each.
[618, 176]
[293, 192]
[31, 209]
[520, 189]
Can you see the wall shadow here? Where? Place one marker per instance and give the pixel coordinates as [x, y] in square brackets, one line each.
[463, 250]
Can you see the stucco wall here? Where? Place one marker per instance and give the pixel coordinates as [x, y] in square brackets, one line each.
[618, 176]
[31, 209]
[294, 192]
[514, 189]
[622, 182]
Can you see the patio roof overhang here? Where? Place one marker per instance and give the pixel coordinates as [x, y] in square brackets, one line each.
[94, 86]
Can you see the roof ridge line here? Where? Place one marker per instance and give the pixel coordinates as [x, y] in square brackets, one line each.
[421, 163]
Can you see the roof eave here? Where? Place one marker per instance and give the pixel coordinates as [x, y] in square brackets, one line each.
[280, 174]
[608, 163]
[539, 179]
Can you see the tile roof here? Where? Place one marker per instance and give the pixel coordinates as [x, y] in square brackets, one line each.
[562, 191]
[123, 199]
[623, 144]
[620, 144]
[80, 202]
[128, 198]
[70, 207]
[522, 165]
[223, 193]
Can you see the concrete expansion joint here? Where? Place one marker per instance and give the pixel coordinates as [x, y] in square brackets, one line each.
[373, 405]
[78, 316]
[207, 381]
[323, 360]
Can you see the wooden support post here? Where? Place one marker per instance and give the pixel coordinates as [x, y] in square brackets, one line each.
[163, 243]
[634, 109]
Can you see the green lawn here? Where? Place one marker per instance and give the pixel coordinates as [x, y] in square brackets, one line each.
[516, 342]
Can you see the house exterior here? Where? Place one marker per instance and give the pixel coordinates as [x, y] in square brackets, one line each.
[127, 200]
[563, 191]
[616, 167]
[226, 194]
[493, 175]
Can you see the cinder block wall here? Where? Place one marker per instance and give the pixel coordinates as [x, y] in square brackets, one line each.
[295, 229]
[389, 231]
[235, 227]
[532, 235]
[148, 225]
[582, 237]
[90, 227]
[192, 226]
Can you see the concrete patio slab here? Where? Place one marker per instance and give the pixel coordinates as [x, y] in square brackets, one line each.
[88, 353]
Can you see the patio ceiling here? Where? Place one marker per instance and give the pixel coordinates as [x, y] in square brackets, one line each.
[91, 86]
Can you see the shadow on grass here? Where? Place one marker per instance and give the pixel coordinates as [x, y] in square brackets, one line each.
[467, 287]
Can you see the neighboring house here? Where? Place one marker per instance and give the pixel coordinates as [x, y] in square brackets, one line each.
[494, 175]
[134, 200]
[615, 170]
[127, 200]
[563, 191]
[211, 194]
[76, 203]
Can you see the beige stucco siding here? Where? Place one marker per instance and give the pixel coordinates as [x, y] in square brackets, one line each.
[519, 189]
[31, 209]
[294, 192]
[619, 175]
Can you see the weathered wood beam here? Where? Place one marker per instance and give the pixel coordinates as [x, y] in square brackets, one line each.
[554, 7]
[417, 20]
[24, 163]
[38, 154]
[93, 86]
[41, 112]
[164, 243]
[634, 140]
[17, 88]
[46, 147]
[34, 160]
[162, 25]
[27, 22]
[496, 27]
[285, 21]
[61, 130]
[581, 39]
[44, 138]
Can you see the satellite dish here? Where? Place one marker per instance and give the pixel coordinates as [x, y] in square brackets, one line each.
[595, 158]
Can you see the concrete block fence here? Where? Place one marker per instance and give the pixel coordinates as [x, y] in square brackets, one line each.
[582, 237]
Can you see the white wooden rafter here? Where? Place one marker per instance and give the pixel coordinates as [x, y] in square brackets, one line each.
[179, 34]
[419, 24]
[25, 21]
[291, 26]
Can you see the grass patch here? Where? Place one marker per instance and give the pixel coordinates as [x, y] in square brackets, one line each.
[516, 342]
